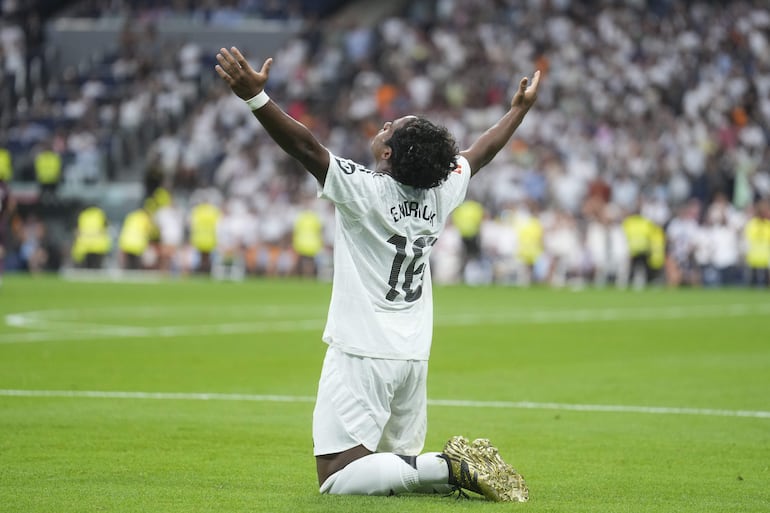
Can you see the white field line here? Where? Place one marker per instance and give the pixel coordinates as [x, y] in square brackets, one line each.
[607, 314]
[526, 405]
[76, 330]
[62, 324]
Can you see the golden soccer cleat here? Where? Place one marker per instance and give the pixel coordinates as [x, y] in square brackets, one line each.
[478, 467]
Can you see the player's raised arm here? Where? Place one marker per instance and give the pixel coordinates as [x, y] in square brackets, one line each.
[484, 149]
[291, 135]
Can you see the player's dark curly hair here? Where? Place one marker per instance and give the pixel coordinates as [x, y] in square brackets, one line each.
[423, 154]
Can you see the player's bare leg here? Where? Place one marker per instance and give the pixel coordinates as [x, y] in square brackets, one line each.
[328, 464]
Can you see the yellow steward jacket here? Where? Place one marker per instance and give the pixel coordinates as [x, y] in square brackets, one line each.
[757, 237]
[657, 247]
[467, 218]
[135, 233]
[92, 235]
[6, 165]
[47, 167]
[638, 232]
[203, 227]
[529, 234]
[307, 237]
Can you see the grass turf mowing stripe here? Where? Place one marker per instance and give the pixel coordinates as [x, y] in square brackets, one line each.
[58, 328]
[593, 408]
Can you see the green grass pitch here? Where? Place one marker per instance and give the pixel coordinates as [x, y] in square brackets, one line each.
[196, 396]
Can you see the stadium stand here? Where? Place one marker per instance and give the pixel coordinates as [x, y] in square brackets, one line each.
[647, 107]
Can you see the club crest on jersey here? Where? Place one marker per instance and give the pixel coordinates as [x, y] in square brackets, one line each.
[349, 167]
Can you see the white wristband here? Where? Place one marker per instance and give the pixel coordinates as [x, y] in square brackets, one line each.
[258, 101]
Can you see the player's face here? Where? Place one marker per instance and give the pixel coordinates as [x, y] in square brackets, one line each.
[385, 133]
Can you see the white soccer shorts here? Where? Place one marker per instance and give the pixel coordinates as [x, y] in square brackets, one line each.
[380, 404]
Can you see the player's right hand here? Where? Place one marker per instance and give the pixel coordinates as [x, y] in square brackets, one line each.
[527, 93]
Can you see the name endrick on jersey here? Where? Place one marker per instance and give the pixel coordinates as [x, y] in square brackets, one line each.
[412, 209]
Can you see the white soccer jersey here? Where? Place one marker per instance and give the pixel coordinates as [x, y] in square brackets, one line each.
[382, 304]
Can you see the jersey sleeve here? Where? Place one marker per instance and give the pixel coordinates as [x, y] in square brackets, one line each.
[348, 185]
[455, 188]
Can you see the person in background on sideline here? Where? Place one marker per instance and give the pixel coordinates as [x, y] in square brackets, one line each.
[756, 236]
[92, 239]
[48, 168]
[134, 238]
[638, 230]
[204, 218]
[467, 218]
[169, 219]
[307, 240]
[7, 207]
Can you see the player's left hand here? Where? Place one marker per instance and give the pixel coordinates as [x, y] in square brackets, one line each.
[244, 80]
[527, 93]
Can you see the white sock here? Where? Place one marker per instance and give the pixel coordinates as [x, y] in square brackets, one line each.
[433, 473]
[387, 474]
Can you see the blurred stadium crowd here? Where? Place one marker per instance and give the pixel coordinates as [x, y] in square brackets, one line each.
[646, 159]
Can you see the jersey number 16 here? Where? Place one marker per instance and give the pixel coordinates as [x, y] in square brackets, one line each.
[415, 267]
